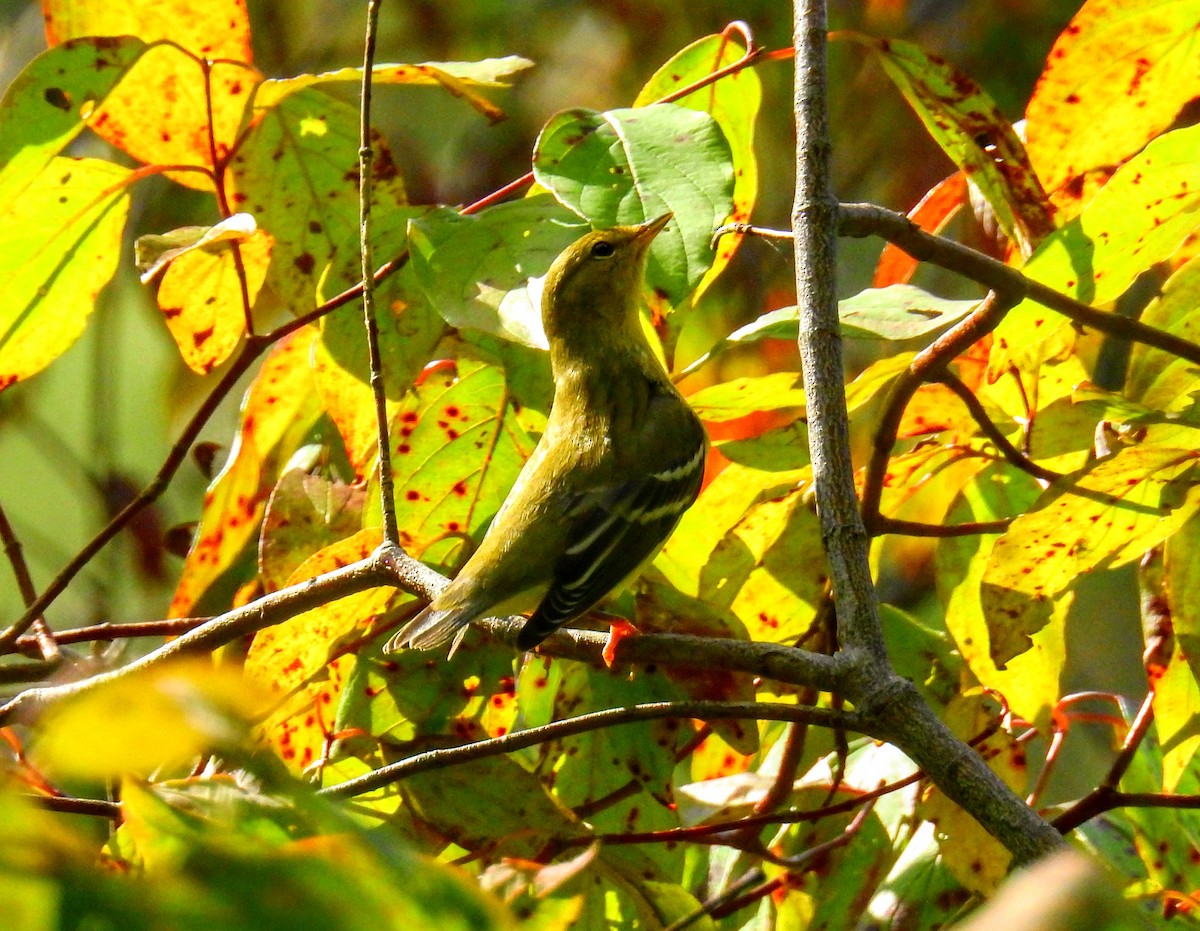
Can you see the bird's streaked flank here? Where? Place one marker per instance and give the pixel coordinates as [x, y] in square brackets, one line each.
[621, 459]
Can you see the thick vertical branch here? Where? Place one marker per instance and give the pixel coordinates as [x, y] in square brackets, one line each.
[868, 680]
[815, 224]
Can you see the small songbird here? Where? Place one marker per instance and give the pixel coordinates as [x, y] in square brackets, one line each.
[621, 459]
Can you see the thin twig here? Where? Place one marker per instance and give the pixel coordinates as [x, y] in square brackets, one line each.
[47, 647]
[859, 220]
[366, 162]
[989, 429]
[270, 609]
[926, 365]
[106, 633]
[251, 349]
[609, 717]
[100, 808]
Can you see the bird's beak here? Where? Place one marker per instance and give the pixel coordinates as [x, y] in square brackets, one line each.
[651, 228]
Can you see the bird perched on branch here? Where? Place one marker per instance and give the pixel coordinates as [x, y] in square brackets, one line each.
[621, 459]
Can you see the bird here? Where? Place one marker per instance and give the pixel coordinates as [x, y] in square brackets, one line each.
[620, 461]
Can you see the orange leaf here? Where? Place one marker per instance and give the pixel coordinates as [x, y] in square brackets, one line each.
[937, 208]
[279, 405]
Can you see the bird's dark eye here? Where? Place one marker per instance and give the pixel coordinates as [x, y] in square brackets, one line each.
[602, 249]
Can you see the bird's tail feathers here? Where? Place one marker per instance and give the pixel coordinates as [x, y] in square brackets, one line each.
[430, 629]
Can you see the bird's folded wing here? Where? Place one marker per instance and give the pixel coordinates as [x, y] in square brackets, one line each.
[613, 528]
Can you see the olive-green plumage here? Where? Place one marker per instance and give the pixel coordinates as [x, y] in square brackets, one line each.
[621, 459]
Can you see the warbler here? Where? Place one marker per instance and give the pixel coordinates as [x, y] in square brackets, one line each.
[621, 459]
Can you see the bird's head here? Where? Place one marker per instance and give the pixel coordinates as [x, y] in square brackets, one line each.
[596, 280]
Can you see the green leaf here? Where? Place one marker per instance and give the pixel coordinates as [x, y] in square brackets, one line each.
[734, 102]
[485, 271]
[624, 167]
[490, 804]
[969, 127]
[1161, 379]
[457, 449]
[1140, 218]
[1106, 517]
[897, 312]
[592, 765]
[46, 105]
[297, 174]
[60, 241]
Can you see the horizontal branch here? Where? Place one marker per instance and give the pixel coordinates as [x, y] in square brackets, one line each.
[609, 717]
[392, 566]
[774, 661]
[270, 609]
[861, 220]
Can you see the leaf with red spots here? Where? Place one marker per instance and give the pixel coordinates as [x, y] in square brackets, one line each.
[836, 888]
[1118, 75]
[60, 241]
[457, 449]
[408, 332]
[459, 78]
[1104, 518]
[299, 657]
[297, 173]
[628, 166]
[769, 569]
[722, 504]
[1029, 682]
[300, 726]
[168, 112]
[591, 766]
[1177, 707]
[214, 29]
[921, 483]
[733, 102]
[305, 513]
[1140, 218]
[43, 109]
[484, 271]
[279, 408]
[971, 130]
[201, 293]
[936, 209]
[414, 696]
[290, 659]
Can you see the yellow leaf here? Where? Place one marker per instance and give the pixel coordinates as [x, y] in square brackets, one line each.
[161, 717]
